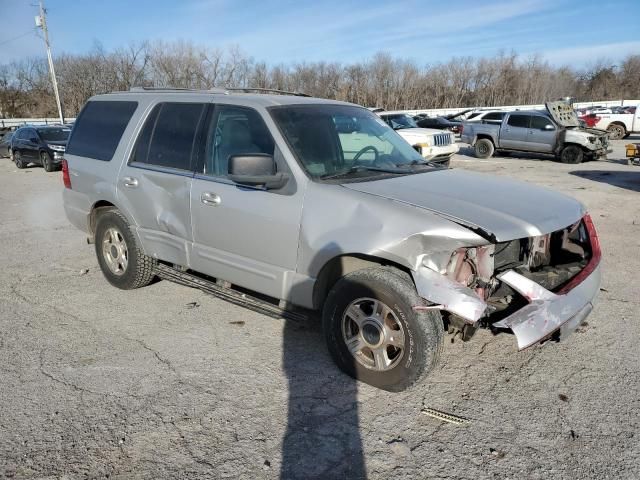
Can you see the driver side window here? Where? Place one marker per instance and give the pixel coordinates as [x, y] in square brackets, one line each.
[234, 131]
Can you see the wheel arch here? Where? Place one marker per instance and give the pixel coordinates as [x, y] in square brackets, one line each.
[486, 136]
[343, 264]
[98, 208]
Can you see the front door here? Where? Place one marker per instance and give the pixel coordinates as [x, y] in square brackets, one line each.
[513, 132]
[541, 136]
[247, 236]
[154, 186]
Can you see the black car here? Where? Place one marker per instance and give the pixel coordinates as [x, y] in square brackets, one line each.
[440, 123]
[5, 143]
[41, 145]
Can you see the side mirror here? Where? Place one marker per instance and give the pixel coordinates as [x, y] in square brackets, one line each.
[256, 169]
[548, 126]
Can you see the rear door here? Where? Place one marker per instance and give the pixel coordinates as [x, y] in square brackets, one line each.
[541, 136]
[155, 184]
[513, 132]
[244, 235]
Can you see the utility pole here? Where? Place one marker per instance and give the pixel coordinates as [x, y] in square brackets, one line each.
[41, 21]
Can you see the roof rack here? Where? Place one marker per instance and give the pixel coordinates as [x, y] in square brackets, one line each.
[179, 90]
[224, 91]
[268, 90]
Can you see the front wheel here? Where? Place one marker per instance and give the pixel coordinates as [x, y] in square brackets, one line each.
[373, 333]
[121, 259]
[571, 154]
[46, 161]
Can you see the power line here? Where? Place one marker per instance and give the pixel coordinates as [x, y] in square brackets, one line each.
[18, 37]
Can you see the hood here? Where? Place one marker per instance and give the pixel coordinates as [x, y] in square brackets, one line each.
[563, 114]
[413, 135]
[497, 208]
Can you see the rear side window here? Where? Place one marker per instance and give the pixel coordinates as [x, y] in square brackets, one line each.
[519, 121]
[168, 136]
[99, 128]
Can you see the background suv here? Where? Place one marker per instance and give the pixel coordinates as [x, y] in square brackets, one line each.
[40, 145]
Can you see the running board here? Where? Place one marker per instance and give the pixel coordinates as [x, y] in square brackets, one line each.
[238, 298]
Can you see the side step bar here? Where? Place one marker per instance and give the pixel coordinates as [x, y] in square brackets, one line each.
[238, 298]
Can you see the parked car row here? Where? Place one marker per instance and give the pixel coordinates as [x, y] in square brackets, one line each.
[40, 145]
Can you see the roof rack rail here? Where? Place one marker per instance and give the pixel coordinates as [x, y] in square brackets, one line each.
[179, 89]
[268, 90]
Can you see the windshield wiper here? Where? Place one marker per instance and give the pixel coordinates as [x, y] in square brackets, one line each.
[359, 168]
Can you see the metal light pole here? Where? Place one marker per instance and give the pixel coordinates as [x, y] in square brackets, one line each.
[41, 21]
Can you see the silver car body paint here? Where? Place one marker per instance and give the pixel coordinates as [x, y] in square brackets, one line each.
[278, 244]
[506, 209]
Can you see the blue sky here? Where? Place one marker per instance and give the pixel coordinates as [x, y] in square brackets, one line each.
[572, 32]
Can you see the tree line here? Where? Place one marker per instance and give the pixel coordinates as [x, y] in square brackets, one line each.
[382, 81]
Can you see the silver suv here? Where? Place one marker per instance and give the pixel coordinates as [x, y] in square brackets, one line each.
[318, 205]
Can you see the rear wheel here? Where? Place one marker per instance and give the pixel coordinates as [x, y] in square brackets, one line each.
[616, 131]
[484, 148]
[373, 333]
[46, 161]
[571, 154]
[119, 256]
[19, 161]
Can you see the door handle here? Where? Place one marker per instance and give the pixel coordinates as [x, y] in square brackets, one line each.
[130, 182]
[211, 199]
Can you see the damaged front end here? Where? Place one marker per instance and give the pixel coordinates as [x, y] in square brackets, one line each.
[538, 287]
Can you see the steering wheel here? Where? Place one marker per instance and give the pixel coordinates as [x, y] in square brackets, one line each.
[366, 149]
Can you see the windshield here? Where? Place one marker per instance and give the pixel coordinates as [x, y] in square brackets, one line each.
[331, 139]
[400, 121]
[54, 134]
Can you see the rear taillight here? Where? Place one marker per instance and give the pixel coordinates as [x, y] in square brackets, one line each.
[594, 261]
[65, 174]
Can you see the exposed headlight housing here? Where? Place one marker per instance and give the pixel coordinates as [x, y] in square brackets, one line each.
[56, 148]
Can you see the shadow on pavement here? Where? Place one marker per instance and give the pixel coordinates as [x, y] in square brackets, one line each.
[322, 439]
[629, 180]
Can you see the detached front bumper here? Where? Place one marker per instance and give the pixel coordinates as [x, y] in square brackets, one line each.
[548, 313]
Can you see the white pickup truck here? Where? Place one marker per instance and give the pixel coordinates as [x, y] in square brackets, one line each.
[619, 125]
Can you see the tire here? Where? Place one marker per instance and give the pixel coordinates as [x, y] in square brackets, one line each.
[571, 154]
[119, 256]
[418, 335]
[484, 148]
[18, 160]
[46, 162]
[616, 131]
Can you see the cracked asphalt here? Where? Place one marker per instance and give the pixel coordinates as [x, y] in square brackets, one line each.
[168, 382]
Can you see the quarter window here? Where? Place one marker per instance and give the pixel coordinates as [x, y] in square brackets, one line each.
[521, 121]
[234, 131]
[169, 135]
[99, 128]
